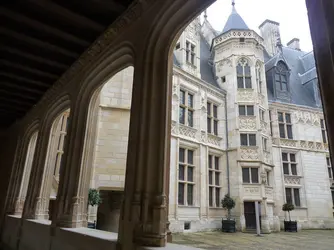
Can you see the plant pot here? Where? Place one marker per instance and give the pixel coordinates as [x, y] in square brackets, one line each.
[228, 226]
[290, 226]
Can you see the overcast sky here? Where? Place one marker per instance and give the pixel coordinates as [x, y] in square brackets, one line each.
[291, 14]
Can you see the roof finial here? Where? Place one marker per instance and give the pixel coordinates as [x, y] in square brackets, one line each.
[205, 14]
[233, 3]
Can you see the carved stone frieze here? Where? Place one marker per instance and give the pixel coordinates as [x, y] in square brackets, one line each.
[174, 129]
[223, 63]
[215, 140]
[238, 34]
[307, 118]
[261, 99]
[267, 157]
[269, 192]
[246, 95]
[187, 131]
[303, 145]
[249, 153]
[288, 143]
[292, 180]
[203, 137]
[251, 190]
[191, 69]
[247, 123]
[264, 127]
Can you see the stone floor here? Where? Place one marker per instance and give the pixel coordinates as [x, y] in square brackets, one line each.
[306, 240]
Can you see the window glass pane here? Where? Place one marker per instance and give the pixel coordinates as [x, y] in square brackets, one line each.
[292, 157]
[182, 97]
[268, 178]
[324, 139]
[247, 70]
[190, 118]
[216, 163]
[285, 168]
[181, 154]
[243, 140]
[215, 111]
[190, 100]
[328, 161]
[181, 194]
[333, 197]
[287, 118]
[190, 157]
[210, 196]
[248, 82]
[297, 197]
[190, 174]
[322, 123]
[208, 107]
[215, 127]
[210, 161]
[181, 172]
[280, 117]
[242, 110]
[239, 70]
[217, 197]
[245, 175]
[252, 140]
[190, 195]
[281, 130]
[330, 173]
[182, 115]
[284, 156]
[255, 175]
[240, 83]
[217, 174]
[210, 177]
[289, 130]
[288, 195]
[250, 110]
[294, 169]
[209, 125]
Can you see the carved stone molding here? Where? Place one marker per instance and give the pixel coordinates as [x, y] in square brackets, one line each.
[203, 137]
[261, 99]
[223, 63]
[267, 157]
[246, 95]
[292, 180]
[250, 190]
[264, 127]
[187, 131]
[237, 34]
[307, 118]
[247, 122]
[215, 140]
[174, 129]
[269, 192]
[301, 144]
[249, 153]
[289, 143]
[191, 69]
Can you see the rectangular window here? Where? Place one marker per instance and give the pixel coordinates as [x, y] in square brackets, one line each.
[214, 181]
[248, 139]
[289, 164]
[271, 123]
[262, 114]
[212, 118]
[246, 110]
[258, 79]
[333, 197]
[292, 196]
[186, 115]
[323, 131]
[250, 175]
[268, 178]
[264, 144]
[177, 47]
[285, 125]
[186, 177]
[190, 53]
[329, 167]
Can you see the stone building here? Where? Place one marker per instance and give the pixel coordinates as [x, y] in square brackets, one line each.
[246, 113]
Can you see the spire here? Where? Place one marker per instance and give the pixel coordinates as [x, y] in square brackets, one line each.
[235, 21]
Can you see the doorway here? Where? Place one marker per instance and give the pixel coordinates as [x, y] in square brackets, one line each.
[250, 215]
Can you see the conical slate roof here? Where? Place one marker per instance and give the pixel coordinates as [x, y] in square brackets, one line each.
[235, 21]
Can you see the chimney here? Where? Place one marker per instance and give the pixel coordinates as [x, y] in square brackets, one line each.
[294, 44]
[271, 35]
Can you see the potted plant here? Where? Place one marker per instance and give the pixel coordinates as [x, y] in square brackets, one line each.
[289, 226]
[94, 199]
[228, 225]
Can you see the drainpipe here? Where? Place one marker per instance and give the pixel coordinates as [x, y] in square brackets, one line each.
[227, 160]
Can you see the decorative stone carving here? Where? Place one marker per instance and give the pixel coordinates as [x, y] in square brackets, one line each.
[245, 95]
[292, 180]
[264, 127]
[238, 34]
[307, 118]
[174, 128]
[204, 97]
[215, 140]
[263, 176]
[203, 136]
[190, 69]
[223, 63]
[269, 193]
[251, 190]
[303, 145]
[261, 98]
[175, 88]
[187, 131]
[249, 153]
[288, 143]
[267, 157]
[247, 122]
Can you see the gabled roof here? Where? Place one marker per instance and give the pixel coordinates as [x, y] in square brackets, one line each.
[235, 22]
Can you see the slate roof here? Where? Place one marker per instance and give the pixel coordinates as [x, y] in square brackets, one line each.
[302, 79]
[235, 22]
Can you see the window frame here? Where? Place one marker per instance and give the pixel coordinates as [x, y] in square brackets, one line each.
[285, 125]
[246, 109]
[190, 53]
[289, 162]
[250, 175]
[281, 70]
[265, 144]
[187, 109]
[262, 115]
[323, 131]
[243, 63]
[329, 168]
[212, 119]
[248, 140]
[293, 198]
[213, 171]
[185, 182]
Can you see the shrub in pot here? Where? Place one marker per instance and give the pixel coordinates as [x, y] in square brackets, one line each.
[94, 199]
[228, 225]
[289, 226]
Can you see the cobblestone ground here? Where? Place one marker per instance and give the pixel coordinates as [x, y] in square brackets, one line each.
[305, 240]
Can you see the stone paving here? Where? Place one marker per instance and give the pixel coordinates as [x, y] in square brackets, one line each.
[306, 240]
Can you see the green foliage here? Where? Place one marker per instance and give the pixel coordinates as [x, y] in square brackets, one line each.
[287, 207]
[228, 203]
[94, 198]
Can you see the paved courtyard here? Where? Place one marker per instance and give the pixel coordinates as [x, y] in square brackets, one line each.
[306, 240]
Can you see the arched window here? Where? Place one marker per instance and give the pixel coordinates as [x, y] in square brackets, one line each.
[281, 77]
[244, 74]
[258, 77]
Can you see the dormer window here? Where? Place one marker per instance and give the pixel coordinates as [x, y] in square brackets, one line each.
[190, 53]
[281, 77]
[243, 74]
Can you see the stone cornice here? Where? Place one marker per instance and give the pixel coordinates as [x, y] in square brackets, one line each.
[294, 107]
[300, 145]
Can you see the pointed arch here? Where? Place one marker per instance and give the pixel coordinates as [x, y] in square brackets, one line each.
[244, 79]
[282, 77]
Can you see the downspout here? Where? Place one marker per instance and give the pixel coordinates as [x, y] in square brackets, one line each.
[227, 159]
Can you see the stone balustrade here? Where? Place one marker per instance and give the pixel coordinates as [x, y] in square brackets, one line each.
[301, 144]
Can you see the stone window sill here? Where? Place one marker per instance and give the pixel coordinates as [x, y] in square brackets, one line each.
[185, 206]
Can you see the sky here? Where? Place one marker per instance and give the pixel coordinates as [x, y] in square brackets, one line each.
[291, 14]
